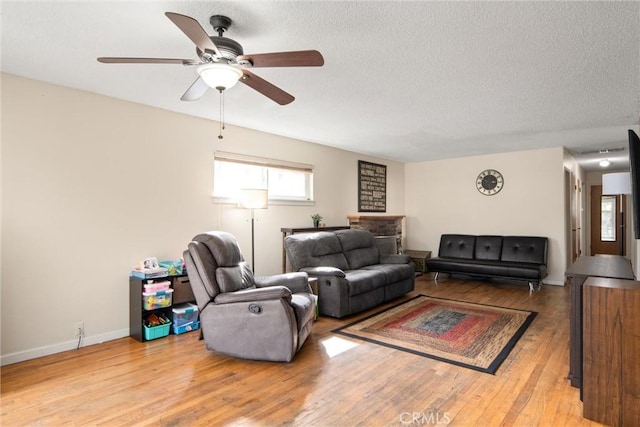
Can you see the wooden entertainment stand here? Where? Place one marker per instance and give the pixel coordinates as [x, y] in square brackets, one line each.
[611, 351]
[607, 266]
[604, 359]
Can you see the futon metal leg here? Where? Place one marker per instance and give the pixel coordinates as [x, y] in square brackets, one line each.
[436, 276]
[534, 286]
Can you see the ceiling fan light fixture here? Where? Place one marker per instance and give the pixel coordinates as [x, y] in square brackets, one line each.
[219, 76]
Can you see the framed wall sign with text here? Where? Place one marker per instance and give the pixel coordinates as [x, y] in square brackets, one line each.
[372, 187]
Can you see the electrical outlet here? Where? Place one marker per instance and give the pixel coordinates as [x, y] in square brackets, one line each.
[79, 329]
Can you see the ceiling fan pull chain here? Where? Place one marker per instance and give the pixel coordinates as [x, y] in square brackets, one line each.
[221, 113]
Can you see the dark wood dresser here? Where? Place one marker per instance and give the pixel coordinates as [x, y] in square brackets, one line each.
[611, 351]
[605, 266]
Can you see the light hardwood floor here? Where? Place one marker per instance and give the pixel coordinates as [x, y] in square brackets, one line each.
[333, 381]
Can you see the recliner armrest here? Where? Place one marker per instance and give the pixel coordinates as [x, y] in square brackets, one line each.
[395, 259]
[296, 282]
[254, 294]
[323, 271]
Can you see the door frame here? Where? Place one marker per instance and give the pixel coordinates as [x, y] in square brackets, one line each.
[614, 247]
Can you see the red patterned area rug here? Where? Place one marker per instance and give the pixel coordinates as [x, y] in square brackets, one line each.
[471, 335]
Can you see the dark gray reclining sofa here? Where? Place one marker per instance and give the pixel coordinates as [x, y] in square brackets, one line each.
[352, 273]
[509, 257]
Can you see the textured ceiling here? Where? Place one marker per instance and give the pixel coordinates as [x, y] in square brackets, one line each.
[407, 81]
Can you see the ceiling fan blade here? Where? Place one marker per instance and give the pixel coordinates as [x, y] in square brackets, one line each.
[267, 89]
[195, 91]
[116, 60]
[300, 58]
[194, 31]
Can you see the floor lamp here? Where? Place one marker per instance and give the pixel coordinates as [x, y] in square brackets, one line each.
[617, 184]
[253, 198]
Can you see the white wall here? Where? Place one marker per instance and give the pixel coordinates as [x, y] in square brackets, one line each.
[91, 185]
[441, 197]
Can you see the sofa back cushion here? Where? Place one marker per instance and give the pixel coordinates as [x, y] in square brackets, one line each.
[457, 246]
[387, 245]
[201, 275]
[202, 269]
[321, 249]
[359, 247]
[226, 261]
[524, 249]
[488, 248]
[230, 279]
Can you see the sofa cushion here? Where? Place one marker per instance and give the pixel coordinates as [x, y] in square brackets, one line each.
[230, 279]
[488, 247]
[459, 246]
[524, 249]
[526, 270]
[359, 247]
[459, 265]
[484, 268]
[361, 281]
[321, 249]
[393, 272]
[387, 245]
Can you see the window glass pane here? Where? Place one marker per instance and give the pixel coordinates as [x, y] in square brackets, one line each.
[608, 218]
[230, 177]
[286, 183]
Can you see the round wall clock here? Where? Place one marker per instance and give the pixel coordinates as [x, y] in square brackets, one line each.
[489, 182]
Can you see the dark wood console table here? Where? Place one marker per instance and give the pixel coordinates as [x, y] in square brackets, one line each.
[290, 230]
[607, 266]
[611, 351]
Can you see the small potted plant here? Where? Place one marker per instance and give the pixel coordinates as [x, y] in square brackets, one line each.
[316, 220]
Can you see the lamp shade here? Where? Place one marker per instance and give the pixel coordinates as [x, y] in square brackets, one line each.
[254, 198]
[616, 183]
[219, 76]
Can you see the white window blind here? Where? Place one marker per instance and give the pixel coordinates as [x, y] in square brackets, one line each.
[286, 181]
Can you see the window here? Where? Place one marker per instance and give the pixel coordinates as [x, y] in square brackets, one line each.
[287, 182]
[608, 218]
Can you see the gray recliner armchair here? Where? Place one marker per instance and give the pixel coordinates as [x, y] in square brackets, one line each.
[242, 315]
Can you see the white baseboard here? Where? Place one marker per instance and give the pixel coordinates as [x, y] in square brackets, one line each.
[553, 282]
[21, 356]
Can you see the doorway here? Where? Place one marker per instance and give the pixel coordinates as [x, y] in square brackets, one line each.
[608, 222]
[573, 218]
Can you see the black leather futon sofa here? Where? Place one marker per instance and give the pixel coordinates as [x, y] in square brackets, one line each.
[508, 257]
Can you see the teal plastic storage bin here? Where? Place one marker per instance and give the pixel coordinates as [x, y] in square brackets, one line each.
[193, 326]
[174, 268]
[151, 333]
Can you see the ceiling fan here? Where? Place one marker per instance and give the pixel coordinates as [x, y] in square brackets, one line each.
[222, 62]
